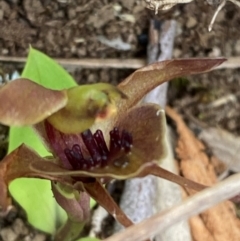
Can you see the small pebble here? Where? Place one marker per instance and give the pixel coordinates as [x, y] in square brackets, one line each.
[191, 22]
[216, 52]
[19, 228]
[5, 51]
[177, 53]
[92, 78]
[128, 3]
[237, 47]
[39, 237]
[7, 234]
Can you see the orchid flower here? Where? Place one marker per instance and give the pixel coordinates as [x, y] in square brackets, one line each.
[95, 133]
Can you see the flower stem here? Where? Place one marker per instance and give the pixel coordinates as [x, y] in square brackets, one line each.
[69, 231]
[77, 206]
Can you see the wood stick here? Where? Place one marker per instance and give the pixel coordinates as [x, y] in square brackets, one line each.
[135, 63]
[86, 62]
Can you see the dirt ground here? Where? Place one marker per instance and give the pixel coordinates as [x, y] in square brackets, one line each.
[119, 29]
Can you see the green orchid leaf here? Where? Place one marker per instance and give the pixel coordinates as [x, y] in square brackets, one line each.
[88, 239]
[35, 195]
[36, 198]
[46, 72]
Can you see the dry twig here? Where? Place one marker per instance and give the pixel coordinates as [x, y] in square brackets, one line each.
[219, 8]
[71, 64]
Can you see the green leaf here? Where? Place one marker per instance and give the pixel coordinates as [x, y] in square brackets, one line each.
[92, 203]
[88, 239]
[46, 72]
[35, 195]
[36, 198]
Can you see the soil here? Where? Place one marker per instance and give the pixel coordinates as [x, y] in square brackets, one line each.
[119, 29]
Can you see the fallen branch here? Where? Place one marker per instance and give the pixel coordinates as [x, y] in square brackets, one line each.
[231, 63]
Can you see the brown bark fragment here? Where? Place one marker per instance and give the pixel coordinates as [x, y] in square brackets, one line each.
[218, 165]
[220, 222]
[200, 231]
